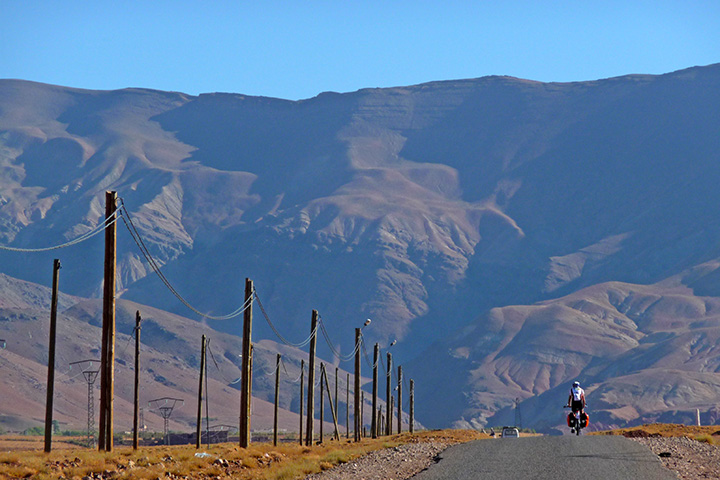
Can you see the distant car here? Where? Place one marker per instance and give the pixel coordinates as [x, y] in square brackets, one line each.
[510, 432]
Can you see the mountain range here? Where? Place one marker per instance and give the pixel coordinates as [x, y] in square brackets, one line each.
[512, 235]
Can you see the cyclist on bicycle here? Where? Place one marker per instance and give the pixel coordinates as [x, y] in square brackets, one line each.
[576, 400]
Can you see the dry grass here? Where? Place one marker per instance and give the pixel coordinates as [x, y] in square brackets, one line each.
[710, 433]
[707, 439]
[33, 442]
[260, 461]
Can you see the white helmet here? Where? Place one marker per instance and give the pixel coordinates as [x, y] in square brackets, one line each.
[576, 384]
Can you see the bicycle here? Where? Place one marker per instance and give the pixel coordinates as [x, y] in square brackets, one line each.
[577, 422]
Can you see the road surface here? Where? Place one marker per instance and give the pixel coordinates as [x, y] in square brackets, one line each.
[540, 458]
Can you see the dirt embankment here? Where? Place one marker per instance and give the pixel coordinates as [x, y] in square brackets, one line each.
[692, 452]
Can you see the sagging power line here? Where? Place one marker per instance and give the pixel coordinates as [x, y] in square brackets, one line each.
[113, 214]
[86, 236]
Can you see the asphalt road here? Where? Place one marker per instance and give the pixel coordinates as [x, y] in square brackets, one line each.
[540, 458]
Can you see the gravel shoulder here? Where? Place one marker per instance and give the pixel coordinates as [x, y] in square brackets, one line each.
[397, 463]
[688, 458]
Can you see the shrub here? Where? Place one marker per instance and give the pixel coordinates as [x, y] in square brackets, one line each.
[336, 457]
[35, 431]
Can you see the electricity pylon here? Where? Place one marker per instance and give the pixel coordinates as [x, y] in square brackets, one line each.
[90, 373]
[165, 406]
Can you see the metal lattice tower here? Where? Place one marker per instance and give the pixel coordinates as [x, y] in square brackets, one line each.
[166, 412]
[90, 375]
[165, 406]
[217, 429]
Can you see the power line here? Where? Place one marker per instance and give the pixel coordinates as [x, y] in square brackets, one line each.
[284, 368]
[335, 351]
[286, 372]
[370, 364]
[130, 338]
[207, 345]
[277, 333]
[123, 212]
[272, 372]
[135, 234]
[94, 231]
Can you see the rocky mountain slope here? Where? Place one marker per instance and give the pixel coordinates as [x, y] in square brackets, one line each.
[643, 353]
[421, 207]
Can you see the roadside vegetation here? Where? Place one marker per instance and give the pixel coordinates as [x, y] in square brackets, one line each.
[707, 434]
[22, 457]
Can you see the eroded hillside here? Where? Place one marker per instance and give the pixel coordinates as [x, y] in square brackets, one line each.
[422, 207]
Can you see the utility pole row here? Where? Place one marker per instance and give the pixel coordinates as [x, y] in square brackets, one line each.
[105, 437]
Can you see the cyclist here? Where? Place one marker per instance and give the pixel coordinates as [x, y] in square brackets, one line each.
[576, 401]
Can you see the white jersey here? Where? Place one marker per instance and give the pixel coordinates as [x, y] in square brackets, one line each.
[577, 393]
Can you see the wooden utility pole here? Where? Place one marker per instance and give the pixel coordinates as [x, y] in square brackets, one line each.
[347, 407]
[373, 420]
[362, 414]
[311, 381]
[103, 384]
[388, 413]
[322, 402]
[277, 399]
[333, 408]
[207, 396]
[357, 385]
[136, 406]
[302, 388]
[336, 392]
[252, 352]
[51, 358]
[412, 406]
[380, 421]
[198, 425]
[399, 413]
[391, 414]
[111, 260]
[246, 379]
[107, 378]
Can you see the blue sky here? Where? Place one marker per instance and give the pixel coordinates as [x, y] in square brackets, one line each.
[297, 49]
